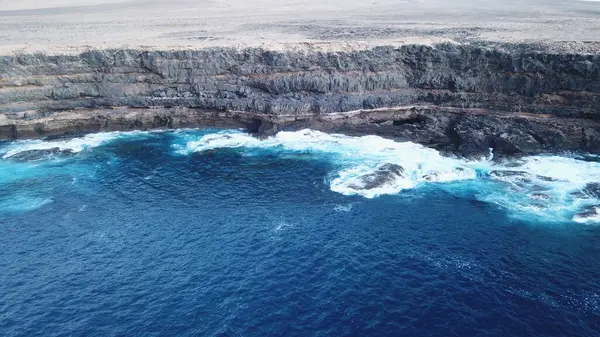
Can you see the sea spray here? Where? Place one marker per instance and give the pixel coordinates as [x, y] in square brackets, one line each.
[546, 188]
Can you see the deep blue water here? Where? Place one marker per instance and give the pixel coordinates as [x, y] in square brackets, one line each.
[132, 236]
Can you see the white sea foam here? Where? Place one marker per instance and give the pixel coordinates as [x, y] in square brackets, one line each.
[588, 218]
[358, 156]
[73, 145]
[282, 226]
[545, 187]
[343, 208]
[23, 203]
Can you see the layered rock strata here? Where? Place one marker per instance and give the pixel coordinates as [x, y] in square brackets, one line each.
[463, 98]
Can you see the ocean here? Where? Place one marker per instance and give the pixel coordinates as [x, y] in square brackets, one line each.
[217, 233]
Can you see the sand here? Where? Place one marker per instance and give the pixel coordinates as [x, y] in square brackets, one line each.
[66, 26]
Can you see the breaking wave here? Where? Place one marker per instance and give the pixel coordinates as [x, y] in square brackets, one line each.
[548, 188]
[41, 149]
[358, 157]
[29, 168]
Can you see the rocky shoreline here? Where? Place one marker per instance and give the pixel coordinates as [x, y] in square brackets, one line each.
[462, 132]
[459, 98]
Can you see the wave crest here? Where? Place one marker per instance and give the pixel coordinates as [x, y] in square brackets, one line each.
[552, 188]
[40, 149]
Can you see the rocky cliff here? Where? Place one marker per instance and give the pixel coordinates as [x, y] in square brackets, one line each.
[463, 98]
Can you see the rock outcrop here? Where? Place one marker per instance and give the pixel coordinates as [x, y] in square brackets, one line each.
[588, 213]
[592, 190]
[384, 175]
[460, 98]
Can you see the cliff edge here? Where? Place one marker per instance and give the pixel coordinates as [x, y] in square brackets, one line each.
[461, 86]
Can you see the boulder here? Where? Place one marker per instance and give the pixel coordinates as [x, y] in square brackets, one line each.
[592, 190]
[540, 196]
[546, 178]
[431, 176]
[587, 213]
[385, 174]
[508, 173]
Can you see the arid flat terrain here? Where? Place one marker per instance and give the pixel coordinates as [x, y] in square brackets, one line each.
[63, 26]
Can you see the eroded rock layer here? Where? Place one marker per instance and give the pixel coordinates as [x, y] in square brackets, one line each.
[462, 98]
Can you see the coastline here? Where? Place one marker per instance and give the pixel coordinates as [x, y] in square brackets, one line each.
[456, 131]
[462, 99]
[300, 168]
[519, 80]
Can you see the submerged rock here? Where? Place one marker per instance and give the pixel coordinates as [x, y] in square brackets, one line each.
[579, 195]
[546, 178]
[592, 189]
[385, 174]
[439, 176]
[32, 155]
[508, 173]
[519, 179]
[431, 176]
[538, 206]
[587, 213]
[540, 196]
[589, 191]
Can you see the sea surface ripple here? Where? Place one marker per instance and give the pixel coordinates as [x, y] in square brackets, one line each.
[215, 233]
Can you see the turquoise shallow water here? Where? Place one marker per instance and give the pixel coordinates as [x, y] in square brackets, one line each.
[216, 233]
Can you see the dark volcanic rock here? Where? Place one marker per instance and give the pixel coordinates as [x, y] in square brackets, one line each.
[508, 173]
[579, 194]
[545, 178]
[465, 99]
[518, 180]
[588, 212]
[592, 189]
[431, 176]
[540, 196]
[385, 174]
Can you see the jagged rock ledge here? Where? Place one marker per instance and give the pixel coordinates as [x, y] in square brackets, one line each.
[461, 98]
[461, 131]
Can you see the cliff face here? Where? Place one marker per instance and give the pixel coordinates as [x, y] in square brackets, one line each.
[464, 87]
